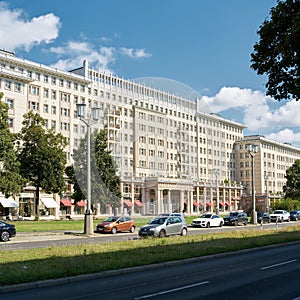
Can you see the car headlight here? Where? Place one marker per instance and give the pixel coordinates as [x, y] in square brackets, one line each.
[152, 229]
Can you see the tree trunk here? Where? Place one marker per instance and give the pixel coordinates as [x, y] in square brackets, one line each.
[37, 203]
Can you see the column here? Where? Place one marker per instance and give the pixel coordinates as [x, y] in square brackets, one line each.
[169, 202]
[158, 206]
[181, 206]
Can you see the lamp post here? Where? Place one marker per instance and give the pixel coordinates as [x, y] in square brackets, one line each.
[88, 119]
[267, 193]
[217, 173]
[252, 150]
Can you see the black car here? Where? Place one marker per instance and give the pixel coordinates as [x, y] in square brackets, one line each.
[236, 218]
[295, 215]
[263, 217]
[7, 231]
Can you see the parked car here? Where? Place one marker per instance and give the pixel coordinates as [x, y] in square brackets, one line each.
[295, 215]
[164, 226]
[236, 218]
[7, 231]
[208, 220]
[280, 215]
[115, 224]
[262, 217]
[173, 215]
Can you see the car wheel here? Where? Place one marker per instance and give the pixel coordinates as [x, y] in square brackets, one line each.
[132, 229]
[207, 225]
[4, 237]
[114, 230]
[236, 223]
[281, 220]
[183, 232]
[288, 219]
[246, 222]
[162, 234]
[221, 224]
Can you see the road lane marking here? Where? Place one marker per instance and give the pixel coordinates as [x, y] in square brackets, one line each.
[279, 264]
[172, 290]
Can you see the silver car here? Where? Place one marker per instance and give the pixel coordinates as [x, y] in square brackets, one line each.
[164, 226]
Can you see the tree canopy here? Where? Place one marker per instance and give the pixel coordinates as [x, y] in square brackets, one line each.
[11, 182]
[292, 187]
[277, 53]
[105, 184]
[41, 155]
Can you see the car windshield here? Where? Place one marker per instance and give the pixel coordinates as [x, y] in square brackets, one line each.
[158, 221]
[293, 212]
[111, 219]
[233, 214]
[206, 216]
[278, 212]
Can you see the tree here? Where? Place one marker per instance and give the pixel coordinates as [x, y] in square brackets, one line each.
[11, 182]
[277, 54]
[107, 169]
[42, 157]
[292, 186]
[105, 184]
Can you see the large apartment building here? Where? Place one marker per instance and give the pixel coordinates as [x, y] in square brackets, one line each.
[170, 155]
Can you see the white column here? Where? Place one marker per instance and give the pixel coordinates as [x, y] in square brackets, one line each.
[169, 201]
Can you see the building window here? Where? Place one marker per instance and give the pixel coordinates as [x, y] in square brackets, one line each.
[17, 87]
[53, 80]
[53, 95]
[10, 103]
[45, 108]
[53, 110]
[7, 85]
[10, 122]
[46, 78]
[61, 82]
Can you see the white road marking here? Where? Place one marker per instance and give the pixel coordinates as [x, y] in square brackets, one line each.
[172, 290]
[279, 264]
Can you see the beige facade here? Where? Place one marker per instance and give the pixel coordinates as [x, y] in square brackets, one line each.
[270, 164]
[170, 155]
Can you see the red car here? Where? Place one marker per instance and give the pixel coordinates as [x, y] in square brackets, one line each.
[115, 224]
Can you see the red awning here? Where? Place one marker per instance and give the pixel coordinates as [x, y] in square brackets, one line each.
[138, 203]
[228, 203]
[222, 203]
[209, 204]
[196, 203]
[66, 202]
[128, 203]
[81, 203]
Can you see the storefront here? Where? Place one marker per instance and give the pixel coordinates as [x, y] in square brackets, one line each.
[48, 207]
[8, 207]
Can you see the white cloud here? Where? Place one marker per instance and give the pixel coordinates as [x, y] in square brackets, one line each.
[286, 136]
[18, 32]
[260, 113]
[74, 53]
[135, 53]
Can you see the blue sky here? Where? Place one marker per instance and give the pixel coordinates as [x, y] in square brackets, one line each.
[201, 45]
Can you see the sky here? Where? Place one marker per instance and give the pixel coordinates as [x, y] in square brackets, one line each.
[197, 47]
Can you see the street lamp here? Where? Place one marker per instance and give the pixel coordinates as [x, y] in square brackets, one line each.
[252, 150]
[266, 177]
[217, 173]
[88, 118]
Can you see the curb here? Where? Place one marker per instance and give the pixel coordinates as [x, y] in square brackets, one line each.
[78, 278]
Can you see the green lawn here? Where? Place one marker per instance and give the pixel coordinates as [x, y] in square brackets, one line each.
[66, 225]
[55, 262]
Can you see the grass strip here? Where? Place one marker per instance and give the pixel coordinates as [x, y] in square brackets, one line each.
[54, 262]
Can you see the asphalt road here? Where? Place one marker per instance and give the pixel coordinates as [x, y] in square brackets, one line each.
[31, 240]
[271, 273]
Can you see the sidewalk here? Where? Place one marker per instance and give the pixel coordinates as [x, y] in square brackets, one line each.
[46, 236]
